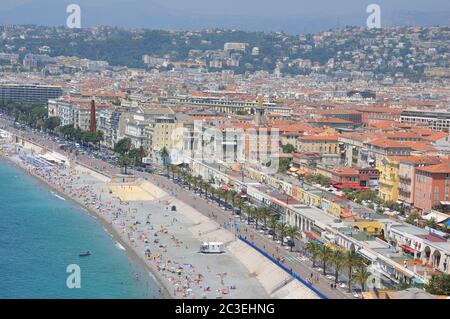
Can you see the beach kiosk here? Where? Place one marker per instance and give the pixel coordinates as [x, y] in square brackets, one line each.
[212, 248]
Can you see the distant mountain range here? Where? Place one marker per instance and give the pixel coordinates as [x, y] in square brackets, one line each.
[148, 14]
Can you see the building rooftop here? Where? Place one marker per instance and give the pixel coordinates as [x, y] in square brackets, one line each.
[443, 168]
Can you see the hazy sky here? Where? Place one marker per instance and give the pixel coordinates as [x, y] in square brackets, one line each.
[278, 15]
[255, 7]
[290, 7]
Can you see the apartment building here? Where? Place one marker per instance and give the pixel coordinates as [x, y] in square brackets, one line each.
[136, 124]
[388, 182]
[357, 178]
[376, 150]
[407, 175]
[108, 121]
[325, 145]
[168, 132]
[75, 111]
[232, 106]
[432, 186]
[434, 120]
[27, 93]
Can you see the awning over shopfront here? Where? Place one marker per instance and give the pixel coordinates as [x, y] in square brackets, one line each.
[438, 217]
[407, 248]
[312, 235]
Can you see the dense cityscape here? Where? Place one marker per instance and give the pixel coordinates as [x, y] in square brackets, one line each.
[318, 163]
[351, 53]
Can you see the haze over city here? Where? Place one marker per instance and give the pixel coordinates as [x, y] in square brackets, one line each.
[291, 16]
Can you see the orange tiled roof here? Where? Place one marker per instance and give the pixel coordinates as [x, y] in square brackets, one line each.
[419, 146]
[443, 168]
[333, 138]
[330, 120]
[297, 128]
[387, 143]
[346, 171]
[436, 136]
[421, 159]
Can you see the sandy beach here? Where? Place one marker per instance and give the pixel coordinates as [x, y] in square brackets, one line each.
[151, 233]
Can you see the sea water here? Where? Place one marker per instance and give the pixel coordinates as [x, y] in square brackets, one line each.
[41, 235]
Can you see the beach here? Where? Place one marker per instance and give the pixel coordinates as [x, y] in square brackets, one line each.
[150, 233]
[42, 233]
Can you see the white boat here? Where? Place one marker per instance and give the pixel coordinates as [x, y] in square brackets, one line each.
[212, 248]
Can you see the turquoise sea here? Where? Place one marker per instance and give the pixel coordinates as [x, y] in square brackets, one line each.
[41, 234]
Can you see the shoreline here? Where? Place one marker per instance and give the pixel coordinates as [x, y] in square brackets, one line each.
[265, 278]
[108, 227]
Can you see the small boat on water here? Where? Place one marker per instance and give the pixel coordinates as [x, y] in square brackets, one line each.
[85, 254]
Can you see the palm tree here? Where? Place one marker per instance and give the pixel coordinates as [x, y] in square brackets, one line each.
[183, 175]
[164, 155]
[324, 255]
[239, 203]
[171, 169]
[250, 212]
[265, 213]
[174, 170]
[125, 161]
[313, 249]
[203, 186]
[257, 215]
[207, 187]
[189, 179]
[199, 185]
[100, 137]
[361, 275]
[294, 233]
[338, 261]
[220, 195]
[282, 228]
[212, 191]
[272, 224]
[352, 260]
[197, 181]
[231, 196]
[178, 171]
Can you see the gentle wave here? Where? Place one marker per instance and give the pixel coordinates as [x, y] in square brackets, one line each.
[152, 276]
[57, 196]
[106, 231]
[119, 245]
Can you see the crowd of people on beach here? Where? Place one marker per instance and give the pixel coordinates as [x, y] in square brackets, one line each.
[144, 236]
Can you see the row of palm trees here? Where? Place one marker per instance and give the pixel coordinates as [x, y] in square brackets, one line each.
[258, 214]
[357, 269]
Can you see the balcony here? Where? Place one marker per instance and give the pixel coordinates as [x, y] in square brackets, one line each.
[404, 180]
[404, 193]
